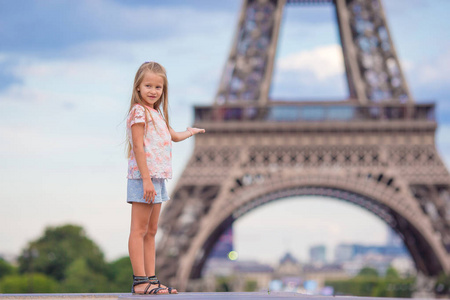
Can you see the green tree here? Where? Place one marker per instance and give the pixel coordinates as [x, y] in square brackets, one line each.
[369, 285]
[224, 284]
[391, 273]
[122, 274]
[80, 278]
[6, 268]
[368, 272]
[30, 283]
[250, 286]
[58, 248]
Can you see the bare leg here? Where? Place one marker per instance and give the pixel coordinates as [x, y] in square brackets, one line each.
[140, 216]
[149, 243]
[140, 213]
[149, 240]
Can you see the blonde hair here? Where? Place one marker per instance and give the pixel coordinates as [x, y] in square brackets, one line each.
[163, 101]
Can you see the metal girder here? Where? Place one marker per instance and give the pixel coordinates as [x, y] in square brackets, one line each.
[372, 67]
[248, 71]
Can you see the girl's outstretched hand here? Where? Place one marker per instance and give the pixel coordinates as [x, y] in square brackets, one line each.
[196, 130]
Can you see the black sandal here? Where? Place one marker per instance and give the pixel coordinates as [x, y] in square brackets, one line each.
[155, 280]
[143, 279]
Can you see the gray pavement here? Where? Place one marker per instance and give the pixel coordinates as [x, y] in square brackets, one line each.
[96, 296]
[183, 296]
[223, 296]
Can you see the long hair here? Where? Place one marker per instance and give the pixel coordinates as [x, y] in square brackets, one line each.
[162, 105]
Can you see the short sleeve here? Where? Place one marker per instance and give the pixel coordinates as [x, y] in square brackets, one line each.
[137, 115]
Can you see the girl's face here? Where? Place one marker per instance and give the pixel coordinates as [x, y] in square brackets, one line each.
[151, 88]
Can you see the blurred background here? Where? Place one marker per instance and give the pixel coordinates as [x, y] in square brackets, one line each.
[66, 75]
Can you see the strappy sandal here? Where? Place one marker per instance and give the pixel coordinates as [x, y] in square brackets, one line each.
[143, 279]
[155, 280]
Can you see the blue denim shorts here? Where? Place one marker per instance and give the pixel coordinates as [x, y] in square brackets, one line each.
[135, 190]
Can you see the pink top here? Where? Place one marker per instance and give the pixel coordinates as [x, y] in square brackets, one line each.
[157, 144]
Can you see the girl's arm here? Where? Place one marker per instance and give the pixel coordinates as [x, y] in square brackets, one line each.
[137, 133]
[182, 135]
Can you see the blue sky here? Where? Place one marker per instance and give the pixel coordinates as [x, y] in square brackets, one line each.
[66, 71]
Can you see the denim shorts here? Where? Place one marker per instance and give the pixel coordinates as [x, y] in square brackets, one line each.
[135, 190]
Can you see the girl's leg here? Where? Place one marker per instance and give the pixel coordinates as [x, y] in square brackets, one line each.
[149, 240]
[140, 215]
[149, 243]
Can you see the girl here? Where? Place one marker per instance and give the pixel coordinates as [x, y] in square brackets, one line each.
[149, 165]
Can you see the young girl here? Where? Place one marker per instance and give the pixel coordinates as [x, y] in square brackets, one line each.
[149, 165]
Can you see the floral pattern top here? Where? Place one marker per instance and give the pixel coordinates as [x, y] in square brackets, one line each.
[157, 144]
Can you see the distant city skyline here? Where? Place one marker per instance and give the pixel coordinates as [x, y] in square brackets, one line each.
[66, 73]
[306, 228]
[311, 275]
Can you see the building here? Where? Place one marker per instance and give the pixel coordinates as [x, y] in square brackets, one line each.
[317, 254]
[354, 257]
[252, 276]
[321, 273]
[343, 253]
[348, 252]
[288, 266]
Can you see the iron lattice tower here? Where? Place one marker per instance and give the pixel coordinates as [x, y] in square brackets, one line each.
[375, 149]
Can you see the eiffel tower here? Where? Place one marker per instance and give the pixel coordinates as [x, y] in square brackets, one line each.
[375, 149]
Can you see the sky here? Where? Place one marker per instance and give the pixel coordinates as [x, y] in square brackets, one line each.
[66, 75]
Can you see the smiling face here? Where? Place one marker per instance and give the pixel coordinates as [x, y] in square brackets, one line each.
[151, 88]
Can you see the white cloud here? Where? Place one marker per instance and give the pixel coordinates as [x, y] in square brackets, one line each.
[28, 140]
[435, 71]
[406, 65]
[322, 62]
[22, 94]
[107, 70]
